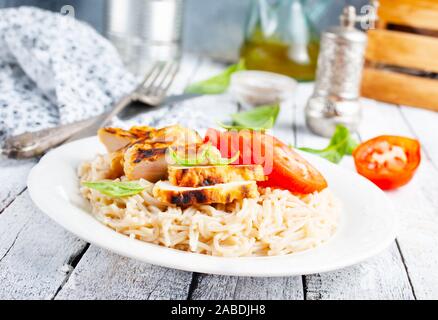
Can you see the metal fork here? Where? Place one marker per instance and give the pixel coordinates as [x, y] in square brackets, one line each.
[152, 91]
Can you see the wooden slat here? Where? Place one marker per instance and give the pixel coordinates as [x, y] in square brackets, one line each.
[241, 288]
[381, 277]
[400, 88]
[403, 49]
[205, 111]
[425, 126]
[103, 275]
[416, 203]
[414, 13]
[35, 253]
[13, 175]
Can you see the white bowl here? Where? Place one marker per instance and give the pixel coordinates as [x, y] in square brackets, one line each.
[255, 88]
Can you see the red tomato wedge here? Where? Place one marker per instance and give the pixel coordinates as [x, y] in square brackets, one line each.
[388, 161]
[284, 168]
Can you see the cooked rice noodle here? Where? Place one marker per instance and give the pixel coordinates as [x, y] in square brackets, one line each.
[277, 223]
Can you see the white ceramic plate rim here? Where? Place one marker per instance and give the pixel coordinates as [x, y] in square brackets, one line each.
[48, 191]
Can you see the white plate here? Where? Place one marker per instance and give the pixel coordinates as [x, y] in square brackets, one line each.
[367, 226]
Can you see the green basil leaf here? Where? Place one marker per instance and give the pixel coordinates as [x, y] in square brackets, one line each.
[260, 118]
[188, 162]
[341, 144]
[262, 127]
[331, 154]
[342, 140]
[209, 156]
[215, 158]
[217, 84]
[115, 189]
[257, 117]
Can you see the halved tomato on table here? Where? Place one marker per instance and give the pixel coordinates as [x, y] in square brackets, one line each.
[388, 161]
[284, 168]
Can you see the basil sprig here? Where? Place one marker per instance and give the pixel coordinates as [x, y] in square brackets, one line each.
[115, 189]
[260, 118]
[209, 156]
[341, 144]
[197, 160]
[217, 84]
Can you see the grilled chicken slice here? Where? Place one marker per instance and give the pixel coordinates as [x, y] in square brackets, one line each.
[116, 164]
[145, 158]
[203, 176]
[146, 161]
[219, 193]
[115, 139]
[175, 135]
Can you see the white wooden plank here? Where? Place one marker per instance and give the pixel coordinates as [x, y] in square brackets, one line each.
[206, 69]
[382, 277]
[215, 108]
[416, 204]
[242, 288]
[424, 124]
[205, 111]
[35, 253]
[304, 137]
[104, 275]
[13, 174]
[189, 63]
[284, 128]
[200, 113]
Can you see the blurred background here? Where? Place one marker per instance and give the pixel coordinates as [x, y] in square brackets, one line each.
[211, 28]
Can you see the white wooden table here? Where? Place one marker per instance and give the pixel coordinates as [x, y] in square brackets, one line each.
[40, 260]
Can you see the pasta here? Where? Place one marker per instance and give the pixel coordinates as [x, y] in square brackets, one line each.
[277, 223]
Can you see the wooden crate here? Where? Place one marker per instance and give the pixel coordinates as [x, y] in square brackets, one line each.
[402, 54]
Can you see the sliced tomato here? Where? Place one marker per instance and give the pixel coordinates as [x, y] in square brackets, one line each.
[388, 161]
[292, 172]
[231, 142]
[284, 168]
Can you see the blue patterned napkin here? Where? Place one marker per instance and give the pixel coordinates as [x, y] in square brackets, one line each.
[54, 70]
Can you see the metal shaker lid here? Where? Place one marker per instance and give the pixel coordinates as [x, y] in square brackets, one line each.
[346, 30]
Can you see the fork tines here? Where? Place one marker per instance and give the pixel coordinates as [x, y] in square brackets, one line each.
[157, 82]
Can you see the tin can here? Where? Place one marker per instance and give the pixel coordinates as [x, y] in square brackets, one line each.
[145, 30]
